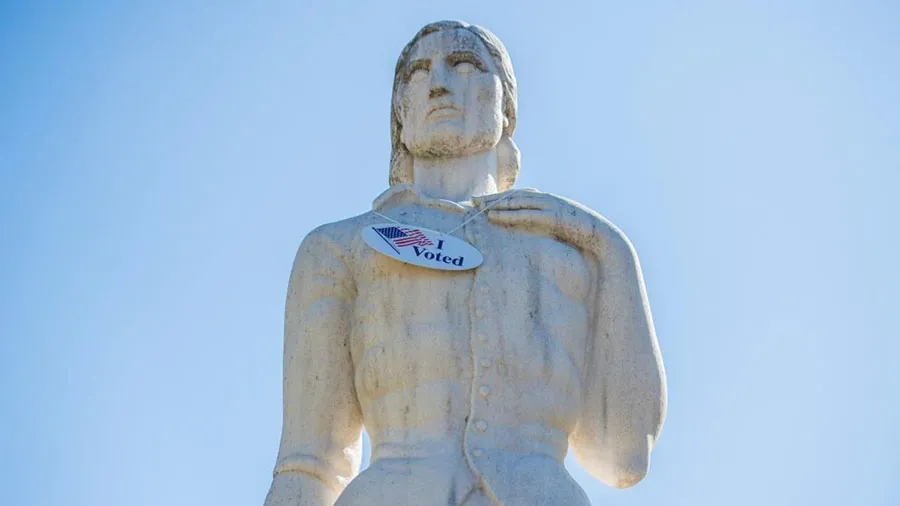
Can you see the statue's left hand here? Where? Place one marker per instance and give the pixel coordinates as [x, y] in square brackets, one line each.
[548, 214]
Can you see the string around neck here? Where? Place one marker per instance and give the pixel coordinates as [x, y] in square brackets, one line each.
[461, 225]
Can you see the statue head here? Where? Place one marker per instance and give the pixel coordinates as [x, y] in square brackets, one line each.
[454, 94]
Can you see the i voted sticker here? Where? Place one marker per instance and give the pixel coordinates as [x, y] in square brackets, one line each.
[422, 247]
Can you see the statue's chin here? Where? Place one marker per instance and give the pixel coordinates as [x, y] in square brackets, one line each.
[451, 145]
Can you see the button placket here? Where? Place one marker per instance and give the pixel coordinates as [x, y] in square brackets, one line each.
[482, 343]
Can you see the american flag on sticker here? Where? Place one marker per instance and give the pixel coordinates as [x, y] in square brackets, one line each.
[404, 236]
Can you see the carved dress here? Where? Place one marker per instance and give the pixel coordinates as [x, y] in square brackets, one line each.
[471, 384]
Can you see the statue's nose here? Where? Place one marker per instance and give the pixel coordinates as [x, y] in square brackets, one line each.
[439, 77]
[437, 91]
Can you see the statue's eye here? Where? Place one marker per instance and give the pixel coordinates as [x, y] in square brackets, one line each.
[418, 74]
[464, 67]
[466, 62]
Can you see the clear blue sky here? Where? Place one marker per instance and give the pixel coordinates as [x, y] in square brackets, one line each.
[161, 161]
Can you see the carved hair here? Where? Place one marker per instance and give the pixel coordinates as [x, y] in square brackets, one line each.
[507, 153]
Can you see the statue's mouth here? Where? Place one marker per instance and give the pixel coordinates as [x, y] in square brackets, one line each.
[443, 110]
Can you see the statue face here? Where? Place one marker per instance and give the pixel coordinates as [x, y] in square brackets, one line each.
[451, 96]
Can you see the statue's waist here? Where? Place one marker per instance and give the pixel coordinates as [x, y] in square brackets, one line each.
[513, 455]
[471, 440]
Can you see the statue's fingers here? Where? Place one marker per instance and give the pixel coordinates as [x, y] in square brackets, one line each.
[488, 199]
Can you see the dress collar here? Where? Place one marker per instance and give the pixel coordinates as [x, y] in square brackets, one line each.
[407, 193]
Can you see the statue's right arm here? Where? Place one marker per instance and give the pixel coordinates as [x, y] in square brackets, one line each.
[321, 435]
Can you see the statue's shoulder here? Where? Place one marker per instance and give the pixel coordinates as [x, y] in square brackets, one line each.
[341, 237]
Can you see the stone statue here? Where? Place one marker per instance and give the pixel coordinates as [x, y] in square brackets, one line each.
[472, 384]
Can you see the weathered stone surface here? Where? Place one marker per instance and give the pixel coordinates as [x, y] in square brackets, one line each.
[471, 384]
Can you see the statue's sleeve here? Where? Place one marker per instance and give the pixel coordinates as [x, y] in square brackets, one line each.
[624, 380]
[321, 434]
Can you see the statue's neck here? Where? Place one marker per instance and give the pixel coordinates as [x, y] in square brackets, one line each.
[457, 179]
